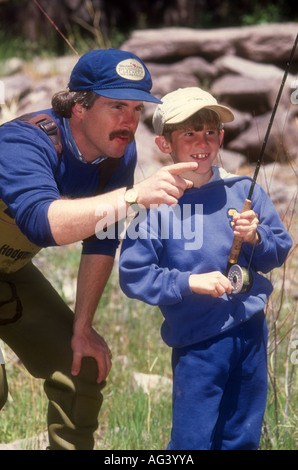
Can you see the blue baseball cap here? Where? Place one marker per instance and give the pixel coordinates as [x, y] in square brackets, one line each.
[114, 74]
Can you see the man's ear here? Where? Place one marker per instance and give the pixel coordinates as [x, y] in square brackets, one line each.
[78, 110]
[163, 145]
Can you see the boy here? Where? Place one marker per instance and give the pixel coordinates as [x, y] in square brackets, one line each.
[218, 338]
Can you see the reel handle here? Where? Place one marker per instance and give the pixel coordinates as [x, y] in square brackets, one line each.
[237, 242]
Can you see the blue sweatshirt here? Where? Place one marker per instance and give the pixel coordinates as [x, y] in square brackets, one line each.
[165, 245]
[31, 178]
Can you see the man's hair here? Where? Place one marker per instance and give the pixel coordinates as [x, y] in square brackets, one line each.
[63, 101]
[197, 122]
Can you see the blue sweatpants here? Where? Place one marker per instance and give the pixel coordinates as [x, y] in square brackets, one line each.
[220, 390]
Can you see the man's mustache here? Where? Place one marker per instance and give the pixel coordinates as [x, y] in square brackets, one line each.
[123, 133]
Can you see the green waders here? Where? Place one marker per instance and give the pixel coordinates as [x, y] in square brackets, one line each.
[3, 386]
[37, 325]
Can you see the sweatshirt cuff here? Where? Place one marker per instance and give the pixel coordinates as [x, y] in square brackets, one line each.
[182, 284]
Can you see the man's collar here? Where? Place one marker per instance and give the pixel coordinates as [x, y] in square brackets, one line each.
[73, 146]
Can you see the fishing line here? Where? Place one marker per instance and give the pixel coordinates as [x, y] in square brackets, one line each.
[56, 27]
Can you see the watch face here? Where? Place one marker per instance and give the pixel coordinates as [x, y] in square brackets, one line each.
[131, 196]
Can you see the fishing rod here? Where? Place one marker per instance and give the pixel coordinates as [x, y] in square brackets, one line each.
[240, 277]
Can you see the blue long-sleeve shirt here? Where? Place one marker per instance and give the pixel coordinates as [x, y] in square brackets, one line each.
[32, 177]
[165, 245]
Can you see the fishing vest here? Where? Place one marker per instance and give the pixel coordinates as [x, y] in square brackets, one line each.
[15, 248]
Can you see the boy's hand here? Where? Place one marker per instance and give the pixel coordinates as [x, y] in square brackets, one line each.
[214, 284]
[246, 225]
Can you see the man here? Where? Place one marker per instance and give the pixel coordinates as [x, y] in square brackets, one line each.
[52, 195]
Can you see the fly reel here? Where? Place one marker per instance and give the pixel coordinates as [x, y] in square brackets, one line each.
[240, 278]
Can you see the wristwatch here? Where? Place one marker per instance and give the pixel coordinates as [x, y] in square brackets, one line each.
[131, 195]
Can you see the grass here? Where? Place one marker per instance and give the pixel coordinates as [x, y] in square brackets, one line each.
[280, 423]
[130, 418]
[133, 419]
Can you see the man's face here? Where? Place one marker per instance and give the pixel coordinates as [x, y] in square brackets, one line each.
[107, 128]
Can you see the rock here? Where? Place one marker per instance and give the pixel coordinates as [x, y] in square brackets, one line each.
[280, 183]
[149, 156]
[260, 73]
[168, 44]
[247, 68]
[166, 83]
[11, 66]
[55, 66]
[41, 94]
[151, 382]
[39, 442]
[190, 72]
[245, 93]
[16, 86]
[235, 128]
[270, 43]
[230, 161]
[281, 145]
[197, 66]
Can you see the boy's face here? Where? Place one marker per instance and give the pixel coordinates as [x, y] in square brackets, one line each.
[188, 145]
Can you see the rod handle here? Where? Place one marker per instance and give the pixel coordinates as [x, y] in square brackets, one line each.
[237, 242]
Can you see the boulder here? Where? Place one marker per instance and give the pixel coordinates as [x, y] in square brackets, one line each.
[254, 95]
[269, 43]
[16, 86]
[152, 383]
[247, 68]
[282, 142]
[230, 161]
[235, 128]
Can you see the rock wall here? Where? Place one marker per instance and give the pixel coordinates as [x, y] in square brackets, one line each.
[242, 67]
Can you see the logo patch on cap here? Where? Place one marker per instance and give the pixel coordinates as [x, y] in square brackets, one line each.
[130, 69]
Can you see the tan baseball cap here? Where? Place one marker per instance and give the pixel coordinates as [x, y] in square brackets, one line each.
[180, 104]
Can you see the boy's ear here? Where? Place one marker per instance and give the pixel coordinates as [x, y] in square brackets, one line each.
[163, 145]
[221, 137]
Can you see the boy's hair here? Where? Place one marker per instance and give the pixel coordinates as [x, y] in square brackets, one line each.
[63, 101]
[204, 117]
